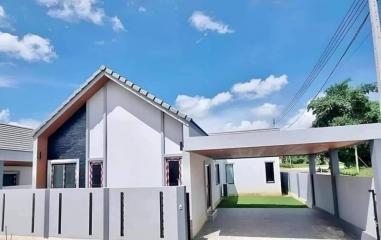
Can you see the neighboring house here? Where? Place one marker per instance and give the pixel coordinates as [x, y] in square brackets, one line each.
[16, 147]
[248, 176]
[112, 133]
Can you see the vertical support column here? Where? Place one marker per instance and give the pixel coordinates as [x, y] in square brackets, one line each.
[312, 168]
[335, 172]
[375, 148]
[1, 173]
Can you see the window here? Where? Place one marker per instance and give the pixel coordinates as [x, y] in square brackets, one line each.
[10, 179]
[269, 172]
[217, 174]
[229, 173]
[63, 173]
[96, 174]
[173, 171]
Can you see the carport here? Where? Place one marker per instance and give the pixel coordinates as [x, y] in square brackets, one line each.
[267, 143]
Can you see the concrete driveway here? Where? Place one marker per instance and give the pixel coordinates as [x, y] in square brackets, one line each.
[271, 223]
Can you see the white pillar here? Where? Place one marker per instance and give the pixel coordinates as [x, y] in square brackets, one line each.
[375, 148]
[376, 33]
[335, 172]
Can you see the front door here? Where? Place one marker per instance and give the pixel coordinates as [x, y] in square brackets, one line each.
[208, 186]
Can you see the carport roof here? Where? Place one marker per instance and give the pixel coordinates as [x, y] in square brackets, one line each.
[266, 143]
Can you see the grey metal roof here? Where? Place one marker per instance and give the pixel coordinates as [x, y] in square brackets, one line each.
[15, 138]
[103, 70]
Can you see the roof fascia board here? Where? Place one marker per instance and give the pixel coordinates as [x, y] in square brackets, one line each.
[141, 96]
[69, 102]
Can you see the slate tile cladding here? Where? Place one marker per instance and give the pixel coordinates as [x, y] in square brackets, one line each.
[69, 142]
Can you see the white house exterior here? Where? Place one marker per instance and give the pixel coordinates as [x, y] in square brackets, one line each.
[259, 176]
[15, 156]
[111, 133]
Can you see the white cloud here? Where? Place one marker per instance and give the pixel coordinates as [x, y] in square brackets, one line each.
[27, 122]
[266, 110]
[5, 117]
[142, 9]
[30, 47]
[80, 10]
[5, 83]
[203, 23]
[116, 24]
[74, 10]
[302, 119]
[247, 125]
[258, 88]
[199, 106]
[4, 21]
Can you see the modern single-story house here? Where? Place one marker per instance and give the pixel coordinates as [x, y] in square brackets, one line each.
[112, 133]
[16, 145]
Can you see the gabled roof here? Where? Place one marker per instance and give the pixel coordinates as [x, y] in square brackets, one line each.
[16, 138]
[109, 73]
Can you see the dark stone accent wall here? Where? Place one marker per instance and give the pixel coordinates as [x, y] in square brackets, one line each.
[69, 142]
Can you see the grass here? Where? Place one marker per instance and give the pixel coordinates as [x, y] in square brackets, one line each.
[254, 201]
[364, 172]
[294, 165]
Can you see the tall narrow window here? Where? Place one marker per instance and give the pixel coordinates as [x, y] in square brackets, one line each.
[269, 172]
[229, 173]
[95, 174]
[217, 174]
[173, 171]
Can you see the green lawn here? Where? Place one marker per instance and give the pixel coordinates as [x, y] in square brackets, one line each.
[364, 172]
[254, 201]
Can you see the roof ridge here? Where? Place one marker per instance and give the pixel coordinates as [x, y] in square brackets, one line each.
[145, 93]
[103, 69]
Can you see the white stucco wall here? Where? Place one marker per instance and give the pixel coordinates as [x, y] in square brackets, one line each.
[95, 125]
[134, 146]
[173, 131]
[25, 174]
[250, 176]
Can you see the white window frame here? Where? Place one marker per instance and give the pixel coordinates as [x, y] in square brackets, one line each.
[63, 161]
[226, 173]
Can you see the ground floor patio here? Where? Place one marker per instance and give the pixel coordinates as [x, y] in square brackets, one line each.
[272, 223]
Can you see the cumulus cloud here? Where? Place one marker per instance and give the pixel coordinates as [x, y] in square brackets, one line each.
[199, 106]
[203, 23]
[258, 88]
[116, 24]
[266, 110]
[80, 10]
[247, 125]
[29, 47]
[5, 117]
[302, 119]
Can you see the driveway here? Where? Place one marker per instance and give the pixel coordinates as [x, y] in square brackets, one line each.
[271, 223]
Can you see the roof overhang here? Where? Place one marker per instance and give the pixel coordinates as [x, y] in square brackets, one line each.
[269, 143]
[16, 156]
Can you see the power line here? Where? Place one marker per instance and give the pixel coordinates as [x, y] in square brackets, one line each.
[343, 29]
[337, 64]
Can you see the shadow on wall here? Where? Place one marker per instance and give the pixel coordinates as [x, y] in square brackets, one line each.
[354, 201]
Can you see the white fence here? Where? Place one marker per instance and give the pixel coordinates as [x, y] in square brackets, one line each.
[354, 201]
[116, 213]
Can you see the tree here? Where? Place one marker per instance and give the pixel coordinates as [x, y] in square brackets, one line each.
[343, 104]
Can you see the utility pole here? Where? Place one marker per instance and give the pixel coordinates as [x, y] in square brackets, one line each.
[376, 33]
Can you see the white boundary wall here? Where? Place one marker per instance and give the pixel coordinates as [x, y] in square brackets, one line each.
[116, 213]
[354, 200]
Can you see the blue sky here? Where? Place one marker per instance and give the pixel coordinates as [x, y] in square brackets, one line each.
[232, 65]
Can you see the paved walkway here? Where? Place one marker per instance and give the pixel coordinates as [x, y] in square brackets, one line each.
[271, 223]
